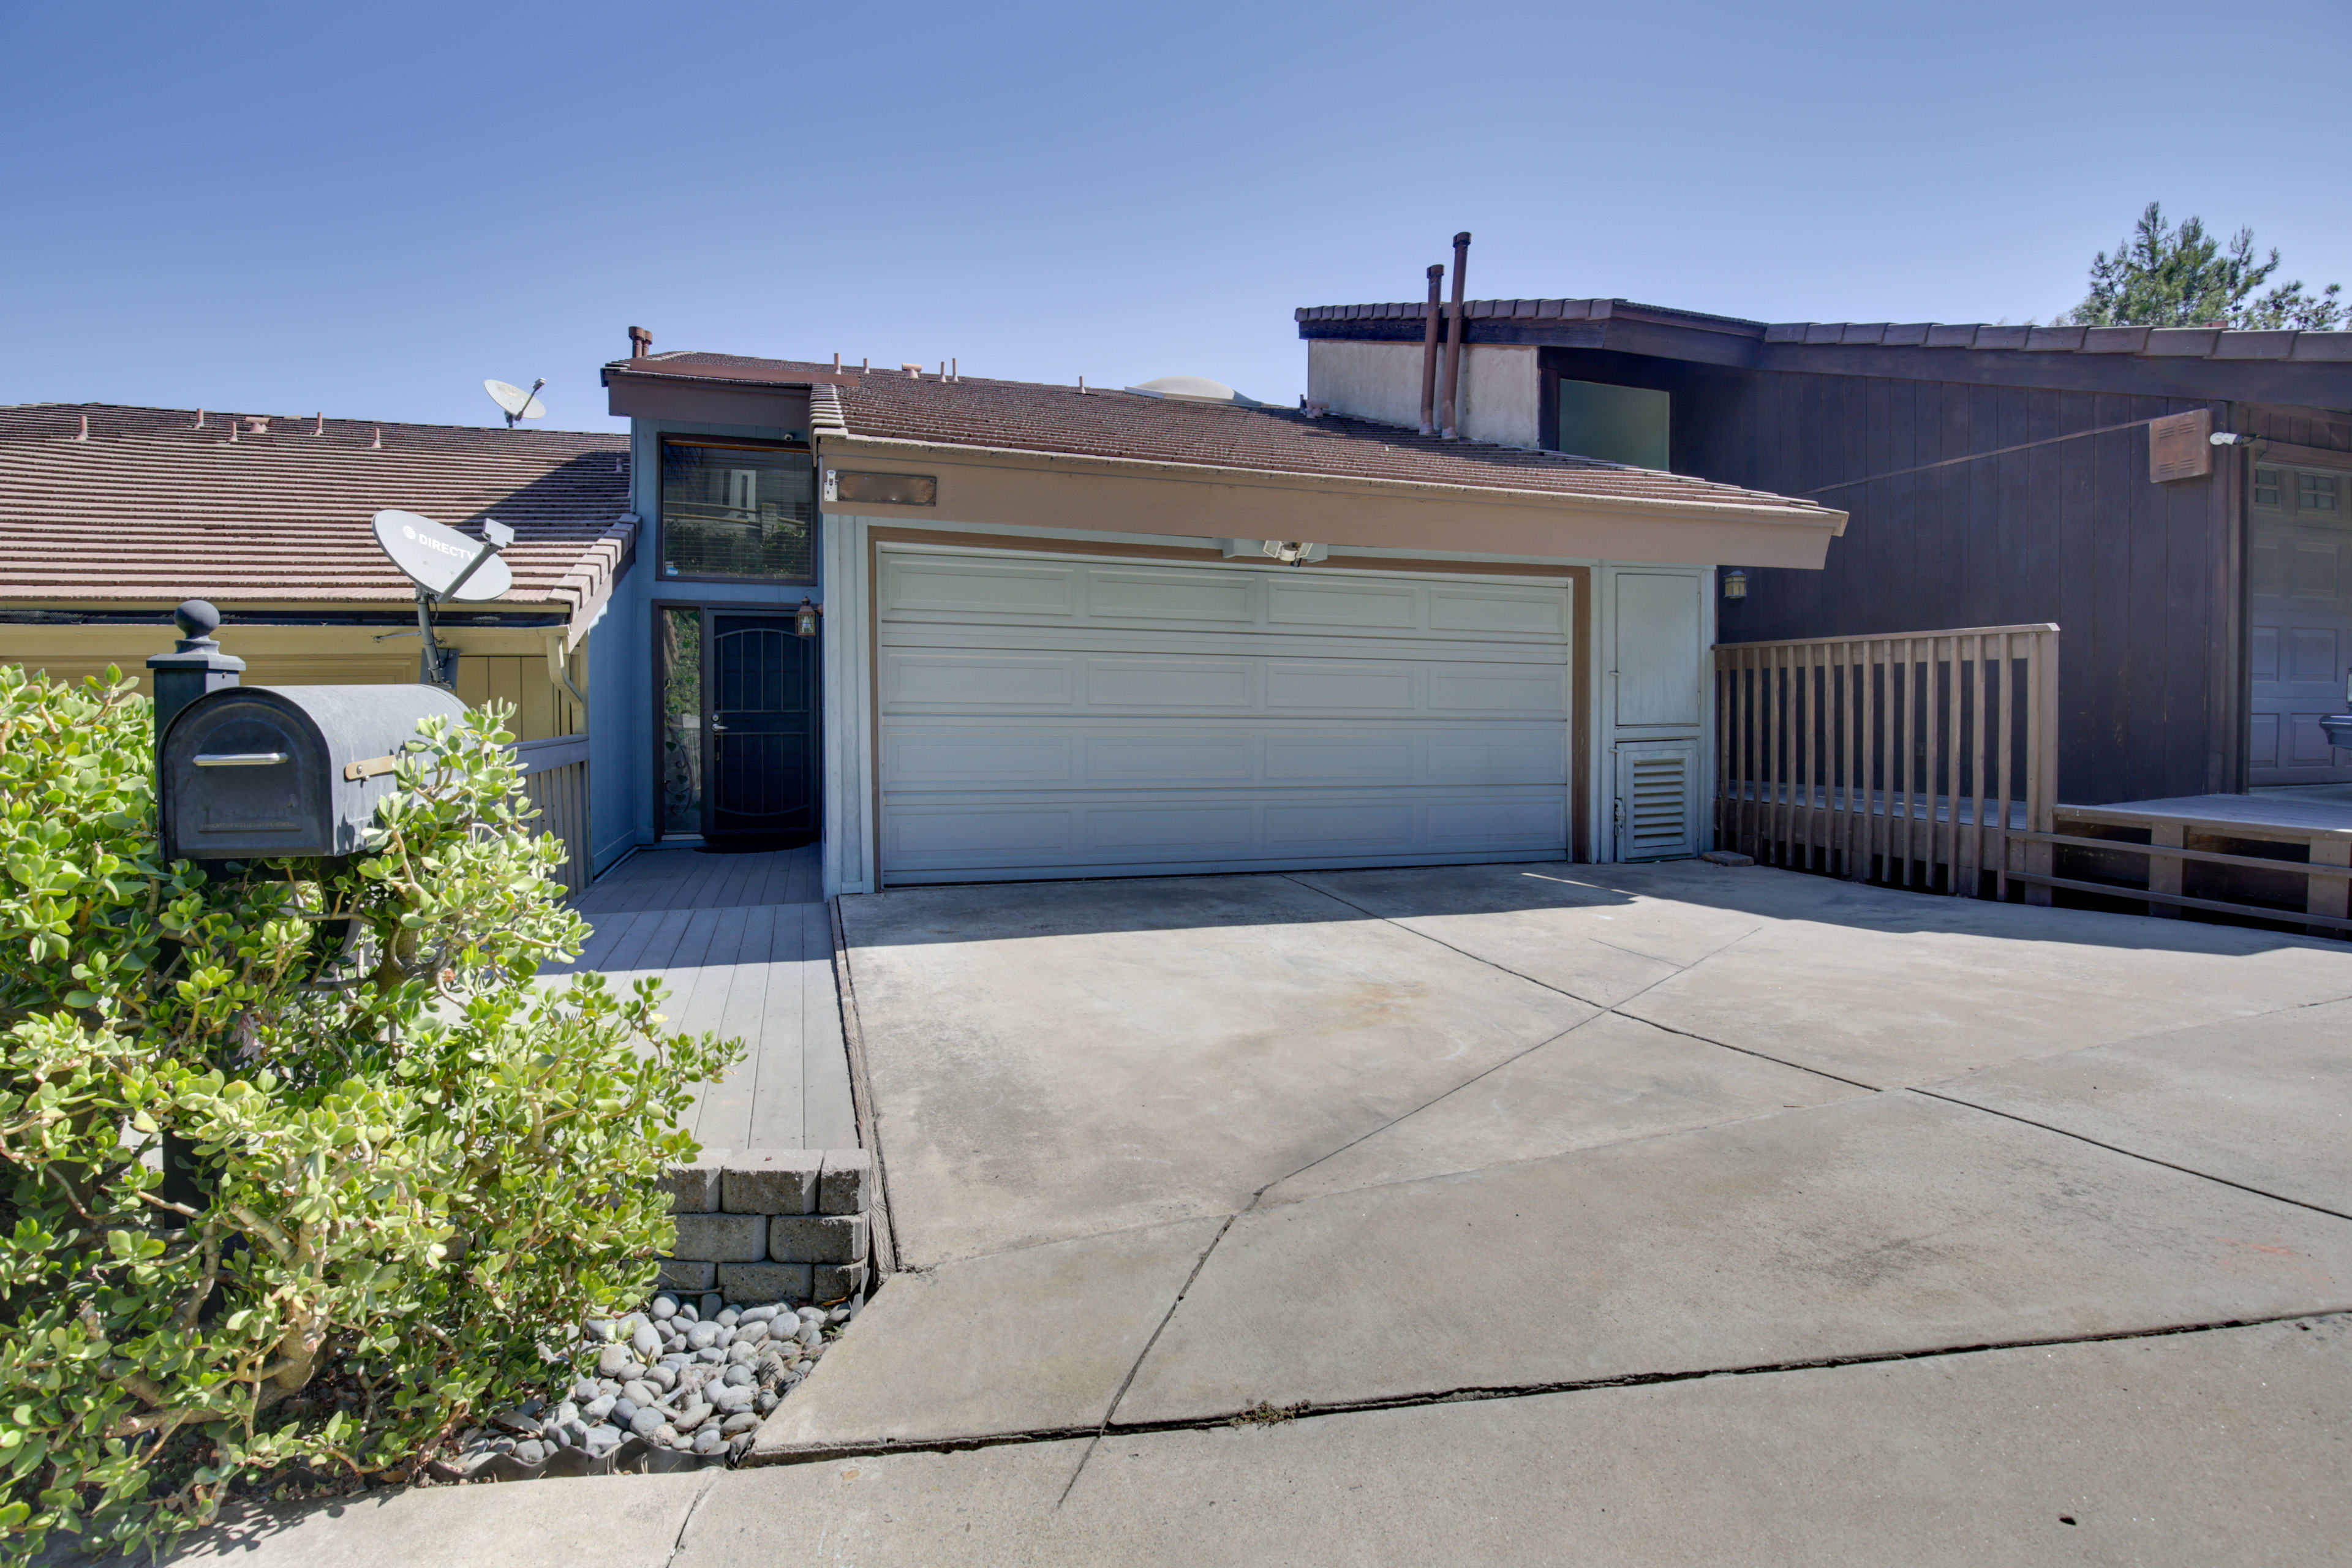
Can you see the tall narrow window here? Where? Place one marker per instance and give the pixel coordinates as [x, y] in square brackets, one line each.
[737, 511]
[681, 721]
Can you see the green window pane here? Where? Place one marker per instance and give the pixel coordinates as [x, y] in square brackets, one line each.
[737, 512]
[681, 735]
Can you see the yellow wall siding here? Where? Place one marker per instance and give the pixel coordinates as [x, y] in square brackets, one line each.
[320, 655]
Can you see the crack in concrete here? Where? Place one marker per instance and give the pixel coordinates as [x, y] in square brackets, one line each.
[688, 1522]
[1481, 1392]
[1137, 1365]
[2131, 1153]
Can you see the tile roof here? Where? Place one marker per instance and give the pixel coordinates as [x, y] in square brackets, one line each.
[154, 506]
[2155, 343]
[1032, 416]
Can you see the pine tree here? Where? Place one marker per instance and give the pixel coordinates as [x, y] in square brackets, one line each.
[2167, 277]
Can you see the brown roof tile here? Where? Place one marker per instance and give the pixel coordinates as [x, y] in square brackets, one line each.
[153, 505]
[1037, 417]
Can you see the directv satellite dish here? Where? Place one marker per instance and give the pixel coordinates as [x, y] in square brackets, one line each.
[442, 563]
[516, 403]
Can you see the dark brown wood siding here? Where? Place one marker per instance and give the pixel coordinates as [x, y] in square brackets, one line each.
[2142, 578]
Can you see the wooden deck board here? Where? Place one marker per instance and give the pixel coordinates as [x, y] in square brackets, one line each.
[683, 879]
[726, 1122]
[2273, 816]
[777, 1120]
[745, 946]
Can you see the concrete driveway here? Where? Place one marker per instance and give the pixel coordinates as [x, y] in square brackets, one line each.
[1626, 1216]
[1164, 1153]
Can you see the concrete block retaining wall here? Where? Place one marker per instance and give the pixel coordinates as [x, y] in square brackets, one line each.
[772, 1225]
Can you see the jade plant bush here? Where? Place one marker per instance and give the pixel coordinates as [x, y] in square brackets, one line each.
[400, 1172]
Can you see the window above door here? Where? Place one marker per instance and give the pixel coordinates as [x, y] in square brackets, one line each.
[737, 512]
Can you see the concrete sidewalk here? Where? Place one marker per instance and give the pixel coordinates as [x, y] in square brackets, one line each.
[2225, 1446]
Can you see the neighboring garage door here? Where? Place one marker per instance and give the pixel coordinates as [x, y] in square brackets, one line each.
[2299, 599]
[1044, 716]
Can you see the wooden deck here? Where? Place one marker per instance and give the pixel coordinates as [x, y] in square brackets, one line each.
[689, 880]
[2192, 852]
[745, 944]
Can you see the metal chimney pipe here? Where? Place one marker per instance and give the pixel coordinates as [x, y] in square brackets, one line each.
[1454, 337]
[1429, 355]
[641, 343]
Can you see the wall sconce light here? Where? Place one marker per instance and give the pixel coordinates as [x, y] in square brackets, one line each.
[1735, 583]
[805, 619]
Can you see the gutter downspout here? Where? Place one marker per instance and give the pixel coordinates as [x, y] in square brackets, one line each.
[1429, 355]
[1454, 339]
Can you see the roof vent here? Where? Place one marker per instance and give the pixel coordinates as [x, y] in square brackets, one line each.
[1195, 389]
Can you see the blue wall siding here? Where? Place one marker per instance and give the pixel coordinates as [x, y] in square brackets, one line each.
[621, 650]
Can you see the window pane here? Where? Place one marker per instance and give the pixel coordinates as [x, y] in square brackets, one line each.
[736, 512]
[681, 677]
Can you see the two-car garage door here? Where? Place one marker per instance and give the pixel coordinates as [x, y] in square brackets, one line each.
[1052, 716]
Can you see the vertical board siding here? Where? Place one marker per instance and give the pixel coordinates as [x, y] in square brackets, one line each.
[2073, 533]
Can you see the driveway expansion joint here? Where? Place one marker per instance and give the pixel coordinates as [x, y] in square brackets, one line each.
[1485, 1393]
[2131, 1153]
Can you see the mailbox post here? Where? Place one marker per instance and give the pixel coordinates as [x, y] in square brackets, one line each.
[195, 667]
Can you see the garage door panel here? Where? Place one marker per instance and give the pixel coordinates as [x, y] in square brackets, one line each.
[1340, 828]
[1351, 755]
[1247, 830]
[1333, 686]
[1517, 612]
[977, 680]
[966, 836]
[1171, 683]
[1186, 830]
[1215, 598]
[1344, 601]
[934, 754]
[1144, 639]
[993, 758]
[1180, 719]
[1491, 688]
[1496, 825]
[1222, 757]
[1533, 756]
[963, 586]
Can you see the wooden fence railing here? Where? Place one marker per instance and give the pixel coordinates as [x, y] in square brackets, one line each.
[1909, 759]
[555, 774]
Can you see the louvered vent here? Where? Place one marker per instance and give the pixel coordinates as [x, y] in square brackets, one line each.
[1656, 783]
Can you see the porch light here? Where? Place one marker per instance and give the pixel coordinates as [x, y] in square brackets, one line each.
[805, 619]
[1735, 583]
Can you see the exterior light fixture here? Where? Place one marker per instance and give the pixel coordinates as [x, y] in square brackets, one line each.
[1735, 583]
[805, 619]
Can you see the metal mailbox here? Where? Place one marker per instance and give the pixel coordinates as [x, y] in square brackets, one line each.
[254, 771]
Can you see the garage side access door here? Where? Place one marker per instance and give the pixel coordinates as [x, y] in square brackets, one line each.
[1044, 716]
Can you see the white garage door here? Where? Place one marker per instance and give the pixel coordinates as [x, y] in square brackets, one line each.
[1042, 716]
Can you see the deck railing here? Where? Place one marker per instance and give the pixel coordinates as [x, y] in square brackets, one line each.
[1909, 759]
[555, 775]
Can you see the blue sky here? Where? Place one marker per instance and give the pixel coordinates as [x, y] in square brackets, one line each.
[369, 208]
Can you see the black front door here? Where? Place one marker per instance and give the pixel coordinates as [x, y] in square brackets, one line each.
[762, 705]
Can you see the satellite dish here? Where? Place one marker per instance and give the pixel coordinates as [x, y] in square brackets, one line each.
[442, 563]
[515, 402]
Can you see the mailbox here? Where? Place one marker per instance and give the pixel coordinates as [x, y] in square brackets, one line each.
[254, 771]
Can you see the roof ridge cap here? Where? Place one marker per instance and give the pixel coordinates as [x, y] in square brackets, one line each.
[826, 414]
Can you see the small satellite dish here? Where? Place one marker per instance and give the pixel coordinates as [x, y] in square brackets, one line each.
[444, 563]
[515, 402]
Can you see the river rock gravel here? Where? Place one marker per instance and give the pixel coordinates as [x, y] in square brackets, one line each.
[682, 1384]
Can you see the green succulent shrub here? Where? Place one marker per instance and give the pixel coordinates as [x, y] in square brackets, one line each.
[404, 1169]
